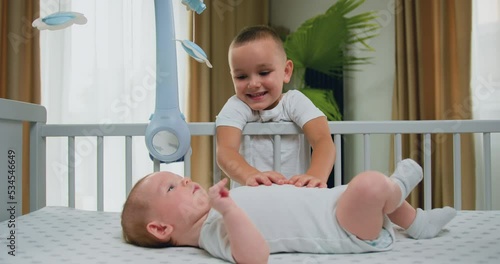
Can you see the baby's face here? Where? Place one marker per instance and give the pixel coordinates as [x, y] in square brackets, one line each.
[175, 199]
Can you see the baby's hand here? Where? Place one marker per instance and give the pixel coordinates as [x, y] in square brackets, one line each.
[219, 197]
[307, 181]
[266, 178]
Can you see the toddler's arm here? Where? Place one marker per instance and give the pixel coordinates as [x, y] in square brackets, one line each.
[235, 166]
[246, 242]
[323, 155]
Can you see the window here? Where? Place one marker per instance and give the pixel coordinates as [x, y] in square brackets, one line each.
[486, 81]
[102, 72]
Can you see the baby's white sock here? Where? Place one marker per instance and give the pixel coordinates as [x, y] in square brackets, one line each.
[428, 224]
[407, 175]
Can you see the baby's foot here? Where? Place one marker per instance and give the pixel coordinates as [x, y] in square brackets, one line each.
[429, 223]
[407, 175]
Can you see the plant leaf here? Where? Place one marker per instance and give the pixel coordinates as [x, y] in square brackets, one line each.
[324, 100]
[324, 42]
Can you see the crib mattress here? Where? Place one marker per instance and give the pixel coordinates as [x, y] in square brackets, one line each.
[65, 235]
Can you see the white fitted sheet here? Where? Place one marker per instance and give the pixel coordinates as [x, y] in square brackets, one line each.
[66, 235]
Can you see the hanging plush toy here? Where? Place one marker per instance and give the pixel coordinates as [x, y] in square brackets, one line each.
[59, 20]
[167, 135]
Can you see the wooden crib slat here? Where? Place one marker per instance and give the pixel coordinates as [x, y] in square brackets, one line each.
[216, 170]
[100, 173]
[367, 151]
[187, 163]
[398, 148]
[128, 165]
[277, 153]
[156, 165]
[71, 172]
[337, 180]
[427, 171]
[307, 146]
[457, 172]
[487, 170]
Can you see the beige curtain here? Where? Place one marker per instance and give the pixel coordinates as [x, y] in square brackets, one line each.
[433, 40]
[209, 89]
[20, 65]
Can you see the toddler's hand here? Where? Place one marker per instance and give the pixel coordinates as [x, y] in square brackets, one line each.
[266, 178]
[219, 197]
[307, 181]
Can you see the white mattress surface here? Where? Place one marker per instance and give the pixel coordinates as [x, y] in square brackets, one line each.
[66, 235]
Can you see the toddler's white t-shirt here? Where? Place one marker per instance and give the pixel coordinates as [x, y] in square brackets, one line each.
[295, 107]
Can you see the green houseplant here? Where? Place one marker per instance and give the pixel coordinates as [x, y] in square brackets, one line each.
[325, 44]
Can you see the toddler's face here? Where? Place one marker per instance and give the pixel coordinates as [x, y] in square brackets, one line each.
[175, 199]
[259, 69]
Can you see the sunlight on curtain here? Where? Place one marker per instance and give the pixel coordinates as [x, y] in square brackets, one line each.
[103, 72]
[486, 83]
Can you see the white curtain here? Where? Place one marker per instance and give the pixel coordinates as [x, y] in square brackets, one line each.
[486, 85]
[100, 73]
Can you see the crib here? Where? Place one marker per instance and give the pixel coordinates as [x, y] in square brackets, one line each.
[57, 234]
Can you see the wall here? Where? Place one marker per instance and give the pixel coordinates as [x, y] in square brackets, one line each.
[369, 89]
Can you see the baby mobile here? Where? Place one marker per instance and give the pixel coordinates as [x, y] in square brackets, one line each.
[167, 135]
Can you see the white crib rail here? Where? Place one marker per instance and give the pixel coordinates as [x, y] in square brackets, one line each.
[426, 128]
[338, 129]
